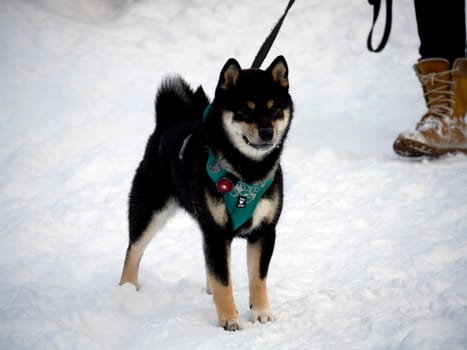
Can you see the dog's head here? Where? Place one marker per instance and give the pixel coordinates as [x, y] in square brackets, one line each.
[256, 106]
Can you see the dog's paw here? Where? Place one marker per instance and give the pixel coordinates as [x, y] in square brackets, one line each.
[262, 316]
[129, 287]
[231, 325]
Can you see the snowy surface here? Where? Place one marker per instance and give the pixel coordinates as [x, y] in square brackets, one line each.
[371, 250]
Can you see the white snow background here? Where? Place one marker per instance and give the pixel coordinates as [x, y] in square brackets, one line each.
[371, 250]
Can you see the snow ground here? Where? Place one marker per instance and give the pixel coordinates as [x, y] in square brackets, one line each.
[371, 250]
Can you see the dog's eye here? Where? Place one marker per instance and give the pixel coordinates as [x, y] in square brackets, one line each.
[276, 113]
[244, 116]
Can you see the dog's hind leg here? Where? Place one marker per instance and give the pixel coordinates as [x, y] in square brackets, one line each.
[208, 282]
[150, 206]
[136, 248]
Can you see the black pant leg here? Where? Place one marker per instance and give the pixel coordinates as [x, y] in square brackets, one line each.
[441, 28]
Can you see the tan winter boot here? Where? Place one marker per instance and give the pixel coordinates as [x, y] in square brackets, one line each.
[442, 129]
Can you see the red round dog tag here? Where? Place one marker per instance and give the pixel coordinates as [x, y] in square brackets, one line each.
[224, 185]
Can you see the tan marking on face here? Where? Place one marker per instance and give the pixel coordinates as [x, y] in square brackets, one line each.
[281, 124]
[237, 131]
[251, 128]
[251, 105]
[258, 290]
[270, 104]
[276, 124]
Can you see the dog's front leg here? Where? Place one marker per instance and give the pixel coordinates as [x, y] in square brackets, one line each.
[217, 254]
[259, 253]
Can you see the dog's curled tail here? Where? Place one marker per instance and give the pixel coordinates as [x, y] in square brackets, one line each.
[176, 101]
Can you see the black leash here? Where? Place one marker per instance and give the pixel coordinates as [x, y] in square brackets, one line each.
[387, 27]
[263, 51]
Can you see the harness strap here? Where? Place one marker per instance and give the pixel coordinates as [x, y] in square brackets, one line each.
[387, 26]
[181, 152]
[240, 198]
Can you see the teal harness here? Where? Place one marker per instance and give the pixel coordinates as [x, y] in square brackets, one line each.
[240, 198]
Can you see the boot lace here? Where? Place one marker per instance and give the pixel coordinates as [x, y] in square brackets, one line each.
[439, 99]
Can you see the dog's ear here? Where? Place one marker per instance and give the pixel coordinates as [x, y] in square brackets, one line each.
[279, 71]
[229, 74]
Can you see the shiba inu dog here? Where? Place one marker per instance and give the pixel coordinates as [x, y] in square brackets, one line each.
[220, 162]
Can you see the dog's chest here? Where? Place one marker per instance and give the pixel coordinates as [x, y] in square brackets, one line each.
[264, 212]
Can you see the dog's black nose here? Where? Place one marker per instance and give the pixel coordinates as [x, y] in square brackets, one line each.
[266, 134]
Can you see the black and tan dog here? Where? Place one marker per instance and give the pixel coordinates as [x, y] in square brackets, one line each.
[220, 162]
